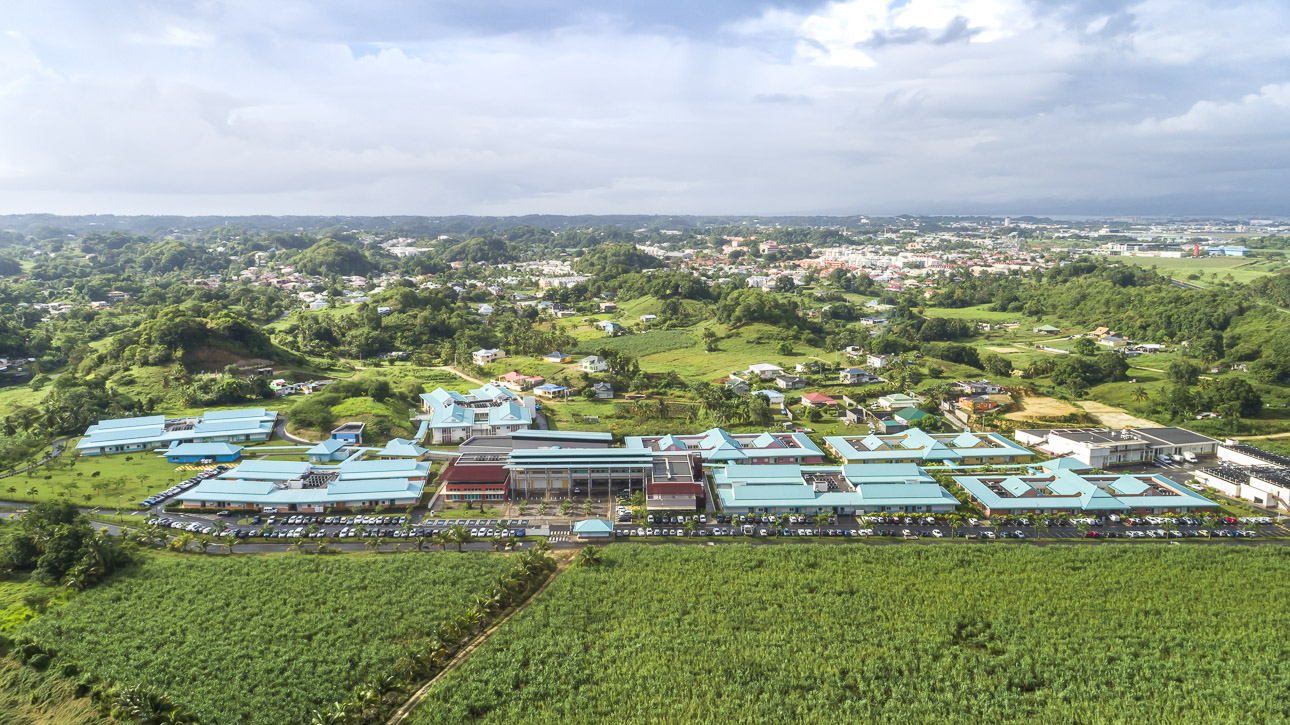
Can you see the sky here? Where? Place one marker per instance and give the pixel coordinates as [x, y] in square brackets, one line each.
[1177, 107]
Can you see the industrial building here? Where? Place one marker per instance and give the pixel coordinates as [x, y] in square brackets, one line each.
[310, 487]
[918, 446]
[1105, 447]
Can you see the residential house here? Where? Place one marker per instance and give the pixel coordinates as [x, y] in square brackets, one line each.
[765, 371]
[648, 318]
[978, 387]
[486, 357]
[818, 400]
[556, 357]
[1104, 447]
[603, 391]
[789, 382]
[519, 382]
[897, 401]
[550, 390]
[593, 364]
[608, 307]
[878, 361]
[774, 397]
[857, 376]
[609, 326]
[976, 404]
[1047, 330]
[737, 385]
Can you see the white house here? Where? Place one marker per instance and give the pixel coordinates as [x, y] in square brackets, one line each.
[593, 364]
[879, 361]
[765, 371]
[648, 318]
[774, 397]
[484, 357]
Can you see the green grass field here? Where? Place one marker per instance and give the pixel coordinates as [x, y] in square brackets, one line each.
[918, 634]
[260, 638]
[72, 478]
[1240, 269]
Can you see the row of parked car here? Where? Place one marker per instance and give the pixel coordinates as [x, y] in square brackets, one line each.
[182, 486]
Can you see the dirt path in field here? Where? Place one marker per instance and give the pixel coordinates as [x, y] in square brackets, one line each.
[1039, 406]
[458, 373]
[405, 711]
[1260, 438]
[1114, 417]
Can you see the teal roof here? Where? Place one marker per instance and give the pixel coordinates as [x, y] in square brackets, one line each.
[151, 430]
[1068, 490]
[783, 486]
[1063, 464]
[942, 447]
[593, 526]
[327, 447]
[203, 449]
[718, 446]
[910, 413]
[403, 448]
[559, 458]
[265, 483]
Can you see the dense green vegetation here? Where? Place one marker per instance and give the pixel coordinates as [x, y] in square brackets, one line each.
[944, 634]
[223, 636]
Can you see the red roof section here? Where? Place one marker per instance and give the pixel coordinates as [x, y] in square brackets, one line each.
[818, 398]
[674, 487]
[474, 474]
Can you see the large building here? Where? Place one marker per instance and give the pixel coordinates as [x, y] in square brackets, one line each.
[309, 487]
[1105, 447]
[918, 446]
[718, 446]
[476, 477]
[128, 435]
[1072, 493]
[1254, 474]
[793, 489]
[489, 410]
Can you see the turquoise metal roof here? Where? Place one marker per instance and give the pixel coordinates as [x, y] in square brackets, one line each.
[327, 447]
[202, 449]
[402, 448]
[1068, 490]
[567, 435]
[593, 526]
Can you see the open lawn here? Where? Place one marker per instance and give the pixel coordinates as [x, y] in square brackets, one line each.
[260, 638]
[108, 481]
[912, 634]
[1240, 269]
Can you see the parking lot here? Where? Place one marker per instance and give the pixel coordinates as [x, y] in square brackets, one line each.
[303, 526]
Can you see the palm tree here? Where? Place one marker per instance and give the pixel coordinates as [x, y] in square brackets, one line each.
[1041, 526]
[202, 543]
[821, 520]
[460, 536]
[497, 542]
[954, 521]
[181, 542]
[691, 526]
[565, 507]
[421, 542]
[994, 525]
[586, 508]
[229, 542]
[297, 545]
[439, 539]
[1140, 395]
[589, 556]
[323, 547]
[373, 543]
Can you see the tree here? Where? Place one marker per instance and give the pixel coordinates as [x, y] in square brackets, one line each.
[1182, 372]
[1140, 395]
[1084, 346]
[589, 556]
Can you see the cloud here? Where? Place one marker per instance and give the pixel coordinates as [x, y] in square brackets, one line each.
[456, 107]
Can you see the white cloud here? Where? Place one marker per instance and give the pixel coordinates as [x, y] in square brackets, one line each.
[859, 106]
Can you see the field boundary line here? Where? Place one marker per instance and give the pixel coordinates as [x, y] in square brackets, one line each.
[405, 710]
